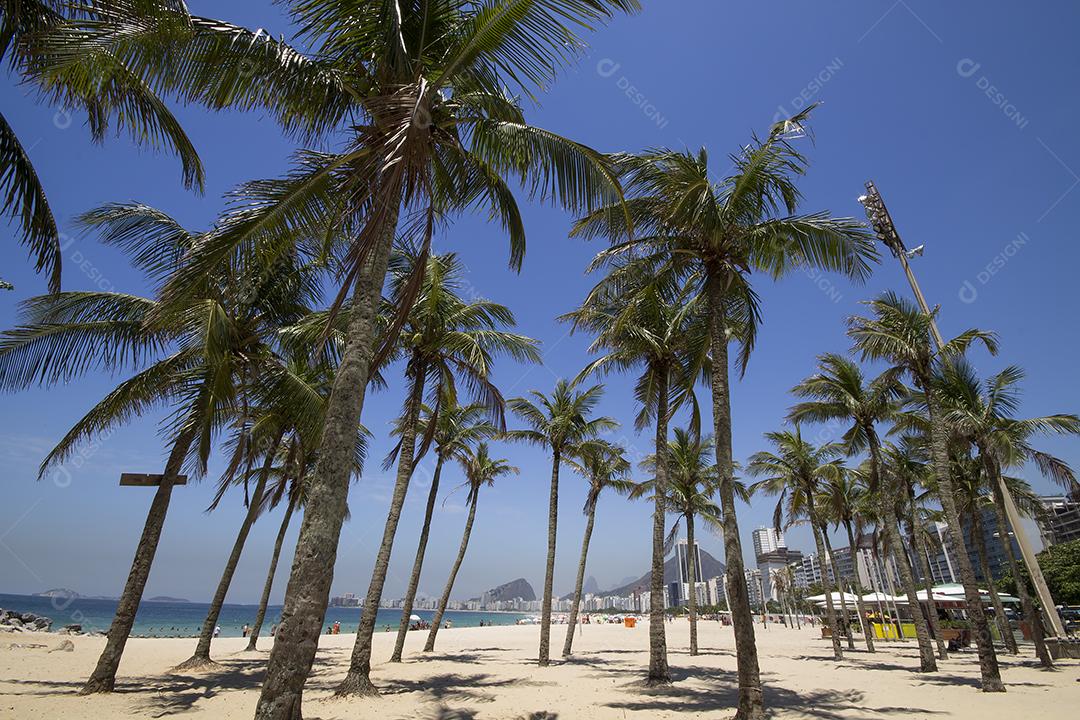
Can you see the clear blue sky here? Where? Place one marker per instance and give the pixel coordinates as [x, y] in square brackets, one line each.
[905, 88]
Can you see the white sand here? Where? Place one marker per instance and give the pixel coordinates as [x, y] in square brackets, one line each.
[487, 673]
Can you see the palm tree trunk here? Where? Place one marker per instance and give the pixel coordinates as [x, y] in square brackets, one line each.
[928, 580]
[939, 446]
[418, 564]
[358, 679]
[691, 570]
[549, 572]
[1031, 612]
[308, 591]
[659, 673]
[436, 623]
[927, 661]
[1004, 628]
[876, 584]
[579, 583]
[201, 658]
[863, 623]
[751, 704]
[264, 601]
[840, 585]
[830, 610]
[103, 679]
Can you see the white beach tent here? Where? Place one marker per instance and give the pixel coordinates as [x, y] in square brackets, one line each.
[820, 599]
[876, 597]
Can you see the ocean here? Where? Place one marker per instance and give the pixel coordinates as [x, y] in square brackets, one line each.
[180, 619]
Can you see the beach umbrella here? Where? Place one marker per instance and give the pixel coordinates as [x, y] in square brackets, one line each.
[414, 618]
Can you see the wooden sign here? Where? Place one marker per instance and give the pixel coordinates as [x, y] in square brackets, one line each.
[147, 480]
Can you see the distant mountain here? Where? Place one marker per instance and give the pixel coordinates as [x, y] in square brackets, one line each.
[590, 586]
[519, 588]
[710, 568]
[166, 599]
[60, 593]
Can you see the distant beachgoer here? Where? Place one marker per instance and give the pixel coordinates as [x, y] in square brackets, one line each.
[273, 630]
[217, 630]
[245, 630]
[337, 627]
[448, 624]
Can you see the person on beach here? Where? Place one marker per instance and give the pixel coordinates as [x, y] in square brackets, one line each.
[273, 630]
[217, 630]
[245, 630]
[337, 627]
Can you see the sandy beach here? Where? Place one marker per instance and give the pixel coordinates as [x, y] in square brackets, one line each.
[490, 673]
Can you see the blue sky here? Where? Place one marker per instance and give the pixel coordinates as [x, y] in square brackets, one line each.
[963, 113]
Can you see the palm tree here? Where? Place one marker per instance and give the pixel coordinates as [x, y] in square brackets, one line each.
[560, 422]
[906, 466]
[839, 499]
[604, 466]
[420, 95]
[839, 392]
[443, 336]
[287, 487]
[199, 358]
[453, 431]
[691, 486]
[984, 417]
[716, 234]
[899, 333]
[102, 85]
[795, 472]
[480, 469]
[659, 329]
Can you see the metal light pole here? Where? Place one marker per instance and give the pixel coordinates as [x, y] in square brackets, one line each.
[886, 232]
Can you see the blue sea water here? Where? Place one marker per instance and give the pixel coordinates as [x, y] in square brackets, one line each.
[178, 619]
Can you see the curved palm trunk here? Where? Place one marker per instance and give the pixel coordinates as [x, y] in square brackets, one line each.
[840, 585]
[928, 580]
[549, 572]
[103, 679]
[1031, 612]
[264, 601]
[863, 623]
[939, 445]
[418, 564]
[436, 623]
[927, 661]
[308, 591]
[659, 673]
[201, 658]
[579, 583]
[751, 704]
[358, 679]
[995, 599]
[830, 609]
[691, 570]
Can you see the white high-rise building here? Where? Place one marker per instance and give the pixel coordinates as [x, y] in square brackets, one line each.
[768, 540]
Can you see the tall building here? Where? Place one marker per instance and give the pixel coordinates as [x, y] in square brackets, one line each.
[995, 545]
[769, 564]
[1062, 521]
[768, 540]
[682, 557]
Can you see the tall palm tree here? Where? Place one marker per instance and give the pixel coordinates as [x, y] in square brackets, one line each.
[691, 487]
[984, 415]
[840, 499]
[420, 95]
[443, 336]
[199, 358]
[561, 423]
[659, 329]
[106, 87]
[480, 470]
[604, 466]
[899, 332]
[795, 472]
[453, 431]
[905, 463]
[839, 392]
[716, 233]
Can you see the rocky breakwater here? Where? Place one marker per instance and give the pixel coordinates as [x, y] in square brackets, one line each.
[15, 621]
